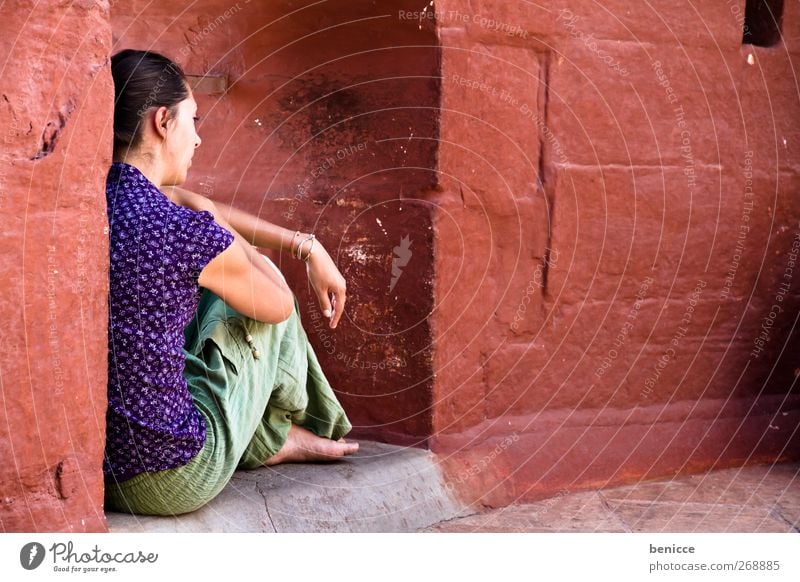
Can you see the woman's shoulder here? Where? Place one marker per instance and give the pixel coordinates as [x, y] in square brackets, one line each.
[190, 200]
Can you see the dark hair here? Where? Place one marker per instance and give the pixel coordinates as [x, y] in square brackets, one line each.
[143, 79]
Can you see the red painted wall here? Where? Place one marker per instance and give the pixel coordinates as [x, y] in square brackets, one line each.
[329, 124]
[568, 230]
[56, 103]
[617, 217]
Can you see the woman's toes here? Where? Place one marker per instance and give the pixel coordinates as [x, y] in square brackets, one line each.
[350, 448]
[340, 449]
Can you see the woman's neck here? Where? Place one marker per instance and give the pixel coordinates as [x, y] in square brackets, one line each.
[145, 165]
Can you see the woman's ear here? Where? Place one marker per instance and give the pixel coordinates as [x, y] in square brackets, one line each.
[160, 121]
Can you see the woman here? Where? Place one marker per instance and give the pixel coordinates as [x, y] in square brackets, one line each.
[209, 367]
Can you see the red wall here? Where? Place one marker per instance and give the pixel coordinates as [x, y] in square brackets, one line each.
[586, 209]
[598, 164]
[329, 124]
[56, 104]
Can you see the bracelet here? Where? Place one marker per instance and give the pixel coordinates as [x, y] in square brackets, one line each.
[291, 242]
[310, 249]
[299, 254]
[297, 250]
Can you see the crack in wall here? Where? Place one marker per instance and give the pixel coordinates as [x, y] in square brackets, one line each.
[52, 131]
[543, 183]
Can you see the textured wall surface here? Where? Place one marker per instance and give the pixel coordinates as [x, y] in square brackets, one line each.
[56, 100]
[328, 123]
[616, 293]
[570, 231]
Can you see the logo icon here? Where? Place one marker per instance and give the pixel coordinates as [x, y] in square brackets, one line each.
[402, 256]
[31, 555]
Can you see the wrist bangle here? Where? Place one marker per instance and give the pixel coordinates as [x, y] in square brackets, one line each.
[299, 254]
[291, 242]
[310, 249]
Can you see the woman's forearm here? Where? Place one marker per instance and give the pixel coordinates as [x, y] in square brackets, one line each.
[254, 230]
[258, 232]
[323, 274]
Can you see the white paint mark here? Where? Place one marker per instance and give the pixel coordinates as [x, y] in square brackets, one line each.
[357, 254]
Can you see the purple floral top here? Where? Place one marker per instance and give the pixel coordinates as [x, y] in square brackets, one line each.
[158, 249]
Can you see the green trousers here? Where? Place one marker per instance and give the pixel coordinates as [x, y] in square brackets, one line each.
[249, 400]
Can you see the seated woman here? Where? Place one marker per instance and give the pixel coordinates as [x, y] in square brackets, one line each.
[209, 367]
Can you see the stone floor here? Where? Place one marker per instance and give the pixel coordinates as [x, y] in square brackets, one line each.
[763, 498]
[385, 488]
[382, 488]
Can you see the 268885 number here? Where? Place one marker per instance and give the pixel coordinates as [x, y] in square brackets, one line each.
[758, 565]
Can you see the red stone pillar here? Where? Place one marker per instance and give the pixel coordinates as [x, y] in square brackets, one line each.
[56, 111]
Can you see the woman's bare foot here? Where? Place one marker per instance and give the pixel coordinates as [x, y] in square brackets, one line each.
[302, 445]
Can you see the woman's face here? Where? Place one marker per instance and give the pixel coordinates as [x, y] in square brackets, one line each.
[180, 143]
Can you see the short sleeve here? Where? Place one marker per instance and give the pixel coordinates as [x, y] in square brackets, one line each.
[201, 239]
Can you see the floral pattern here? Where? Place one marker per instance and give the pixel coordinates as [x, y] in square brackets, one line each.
[157, 251]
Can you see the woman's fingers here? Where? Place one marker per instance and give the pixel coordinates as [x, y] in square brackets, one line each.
[324, 302]
[339, 298]
[328, 284]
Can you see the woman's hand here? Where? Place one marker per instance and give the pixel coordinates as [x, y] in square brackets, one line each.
[328, 283]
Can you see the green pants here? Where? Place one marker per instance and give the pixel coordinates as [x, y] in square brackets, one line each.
[248, 403]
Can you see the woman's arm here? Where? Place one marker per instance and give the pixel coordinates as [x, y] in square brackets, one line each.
[257, 232]
[240, 258]
[325, 278]
[240, 282]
